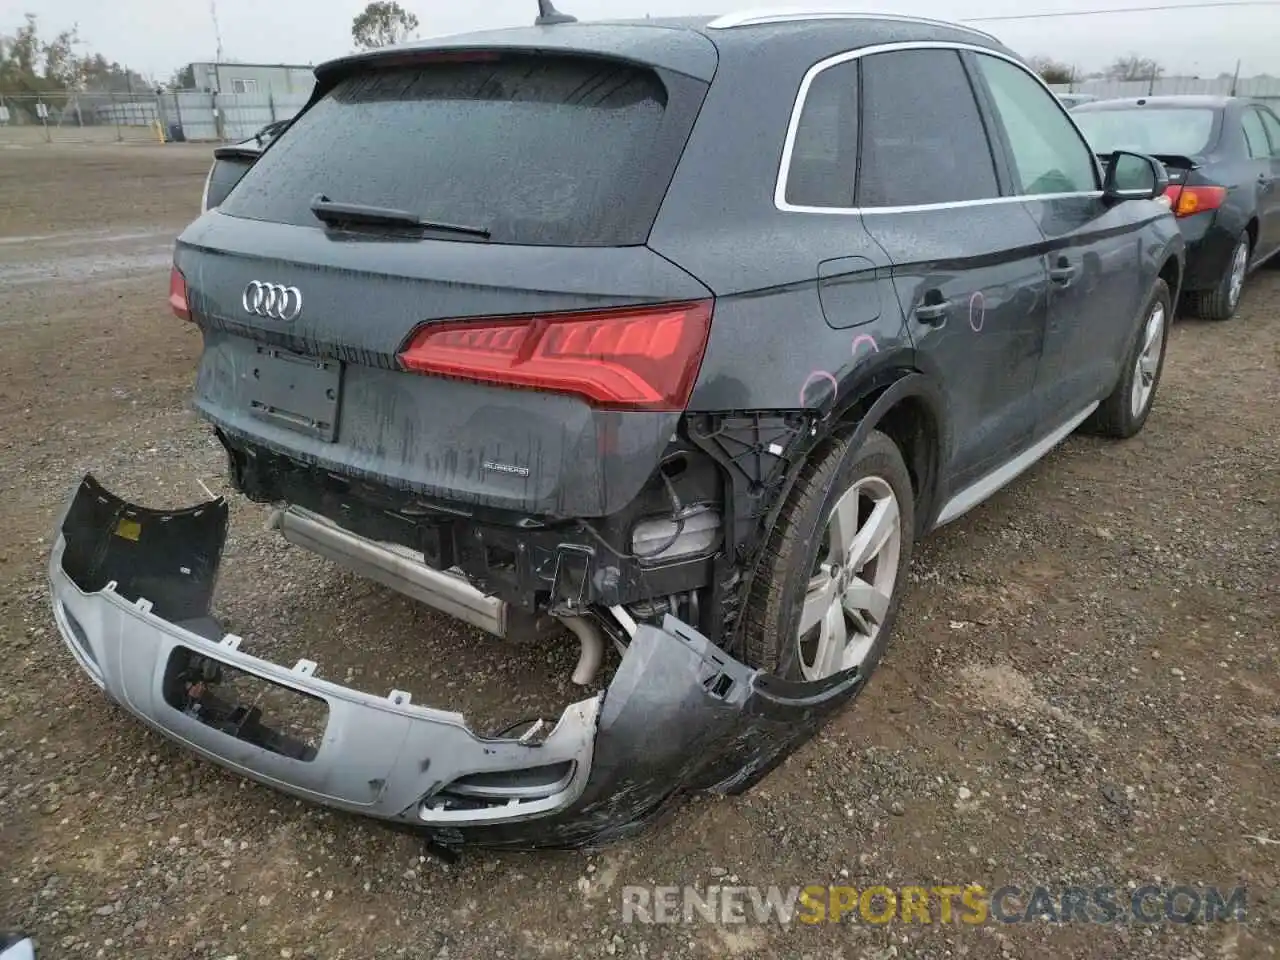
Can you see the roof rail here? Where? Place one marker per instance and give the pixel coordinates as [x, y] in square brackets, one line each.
[762, 15]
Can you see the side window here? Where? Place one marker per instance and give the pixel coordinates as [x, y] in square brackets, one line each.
[923, 140]
[822, 155]
[1050, 155]
[1273, 130]
[1255, 135]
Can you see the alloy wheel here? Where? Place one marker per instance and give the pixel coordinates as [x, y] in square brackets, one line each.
[1239, 266]
[853, 579]
[1148, 363]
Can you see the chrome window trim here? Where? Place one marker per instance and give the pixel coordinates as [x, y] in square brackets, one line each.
[784, 167]
[767, 15]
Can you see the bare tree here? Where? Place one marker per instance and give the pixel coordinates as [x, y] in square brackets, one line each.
[1134, 67]
[381, 24]
[1052, 71]
[61, 65]
[29, 64]
[21, 59]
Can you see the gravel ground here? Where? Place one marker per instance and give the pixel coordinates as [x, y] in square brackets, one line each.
[1083, 687]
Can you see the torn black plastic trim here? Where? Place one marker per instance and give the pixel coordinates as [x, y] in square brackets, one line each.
[109, 539]
[681, 716]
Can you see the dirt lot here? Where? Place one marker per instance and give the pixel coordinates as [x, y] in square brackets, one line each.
[1083, 689]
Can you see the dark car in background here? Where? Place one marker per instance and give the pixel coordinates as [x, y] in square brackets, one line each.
[676, 334]
[1223, 159]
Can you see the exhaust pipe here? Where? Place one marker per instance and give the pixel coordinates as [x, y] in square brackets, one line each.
[591, 655]
[402, 572]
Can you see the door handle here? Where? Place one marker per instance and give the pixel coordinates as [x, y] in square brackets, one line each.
[934, 313]
[1063, 274]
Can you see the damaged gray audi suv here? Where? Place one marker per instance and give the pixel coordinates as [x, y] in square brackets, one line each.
[676, 334]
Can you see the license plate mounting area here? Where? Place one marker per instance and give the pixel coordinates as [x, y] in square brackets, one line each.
[296, 391]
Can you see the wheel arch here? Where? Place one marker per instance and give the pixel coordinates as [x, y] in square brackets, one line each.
[1171, 272]
[897, 397]
[910, 410]
[908, 405]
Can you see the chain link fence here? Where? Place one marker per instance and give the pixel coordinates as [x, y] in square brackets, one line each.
[185, 115]
[78, 116]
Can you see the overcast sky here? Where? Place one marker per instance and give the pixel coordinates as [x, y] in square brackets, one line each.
[156, 36]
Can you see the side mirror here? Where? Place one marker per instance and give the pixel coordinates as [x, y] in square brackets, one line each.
[1134, 176]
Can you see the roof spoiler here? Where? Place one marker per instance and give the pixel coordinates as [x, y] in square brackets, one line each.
[1176, 160]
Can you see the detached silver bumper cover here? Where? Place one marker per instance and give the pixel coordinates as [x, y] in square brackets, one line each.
[131, 591]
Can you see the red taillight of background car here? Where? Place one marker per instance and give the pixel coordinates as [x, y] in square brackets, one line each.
[1186, 201]
[634, 358]
[178, 295]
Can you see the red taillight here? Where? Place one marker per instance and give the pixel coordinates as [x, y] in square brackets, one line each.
[1188, 200]
[636, 358]
[178, 295]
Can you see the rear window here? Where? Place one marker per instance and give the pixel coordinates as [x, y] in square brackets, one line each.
[1180, 131]
[534, 149]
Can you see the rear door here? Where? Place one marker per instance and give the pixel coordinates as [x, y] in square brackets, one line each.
[1093, 253]
[965, 261]
[1262, 134]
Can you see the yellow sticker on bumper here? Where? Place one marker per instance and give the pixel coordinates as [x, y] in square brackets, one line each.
[128, 529]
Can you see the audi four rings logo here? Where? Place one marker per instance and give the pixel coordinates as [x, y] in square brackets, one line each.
[272, 300]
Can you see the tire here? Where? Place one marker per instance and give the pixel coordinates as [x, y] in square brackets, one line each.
[798, 541]
[1221, 302]
[1120, 415]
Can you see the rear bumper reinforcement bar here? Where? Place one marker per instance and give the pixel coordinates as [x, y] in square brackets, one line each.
[131, 592]
[444, 591]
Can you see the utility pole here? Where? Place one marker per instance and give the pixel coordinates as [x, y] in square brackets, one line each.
[215, 97]
[217, 32]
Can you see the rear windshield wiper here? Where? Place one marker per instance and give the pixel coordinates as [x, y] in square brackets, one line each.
[334, 212]
[271, 130]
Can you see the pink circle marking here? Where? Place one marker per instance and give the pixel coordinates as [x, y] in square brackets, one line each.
[978, 310]
[864, 338]
[814, 378]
